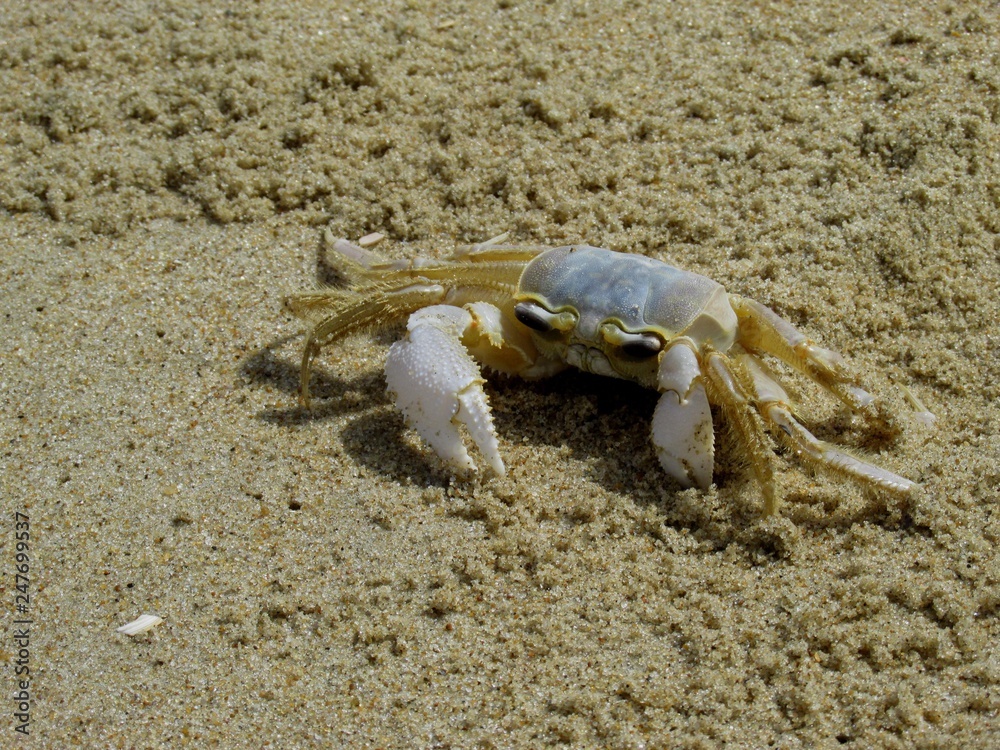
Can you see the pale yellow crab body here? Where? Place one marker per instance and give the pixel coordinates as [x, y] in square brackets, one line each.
[532, 311]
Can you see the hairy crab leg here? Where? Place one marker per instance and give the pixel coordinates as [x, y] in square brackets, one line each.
[376, 311]
[774, 405]
[726, 389]
[762, 329]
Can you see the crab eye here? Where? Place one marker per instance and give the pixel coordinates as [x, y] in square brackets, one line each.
[539, 319]
[635, 345]
[643, 346]
[534, 316]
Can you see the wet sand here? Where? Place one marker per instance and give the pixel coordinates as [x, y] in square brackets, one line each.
[169, 172]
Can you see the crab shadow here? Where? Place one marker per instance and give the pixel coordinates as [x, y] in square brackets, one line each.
[603, 424]
[374, 437]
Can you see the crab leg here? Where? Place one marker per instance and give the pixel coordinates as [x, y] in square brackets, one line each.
[370, 312]
[726, 389]
[773, 404]
[494, 272]
[762, 329]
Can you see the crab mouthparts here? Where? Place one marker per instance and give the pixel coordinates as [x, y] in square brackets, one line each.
[590, 359]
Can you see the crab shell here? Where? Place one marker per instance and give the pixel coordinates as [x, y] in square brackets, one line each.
[532, 311]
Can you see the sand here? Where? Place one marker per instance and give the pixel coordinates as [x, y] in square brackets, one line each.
[169, 170]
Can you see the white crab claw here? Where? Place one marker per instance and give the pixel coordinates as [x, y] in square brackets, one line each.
[437, 385]
[682, 422]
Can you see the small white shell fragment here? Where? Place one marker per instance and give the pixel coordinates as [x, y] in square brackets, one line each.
[370, 239]
[140, 625]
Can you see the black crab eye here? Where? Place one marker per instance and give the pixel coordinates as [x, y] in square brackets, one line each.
[642, 345]
[534, 316]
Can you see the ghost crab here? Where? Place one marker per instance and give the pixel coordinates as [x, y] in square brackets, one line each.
[533, 311]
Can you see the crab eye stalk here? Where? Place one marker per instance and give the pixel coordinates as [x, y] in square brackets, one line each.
[634, 345]
[534, 316]
[539, 319]
[643, 346]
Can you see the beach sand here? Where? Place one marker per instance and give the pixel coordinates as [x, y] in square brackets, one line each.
[169, 171]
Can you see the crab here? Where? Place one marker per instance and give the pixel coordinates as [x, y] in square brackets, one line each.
[534, 311]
